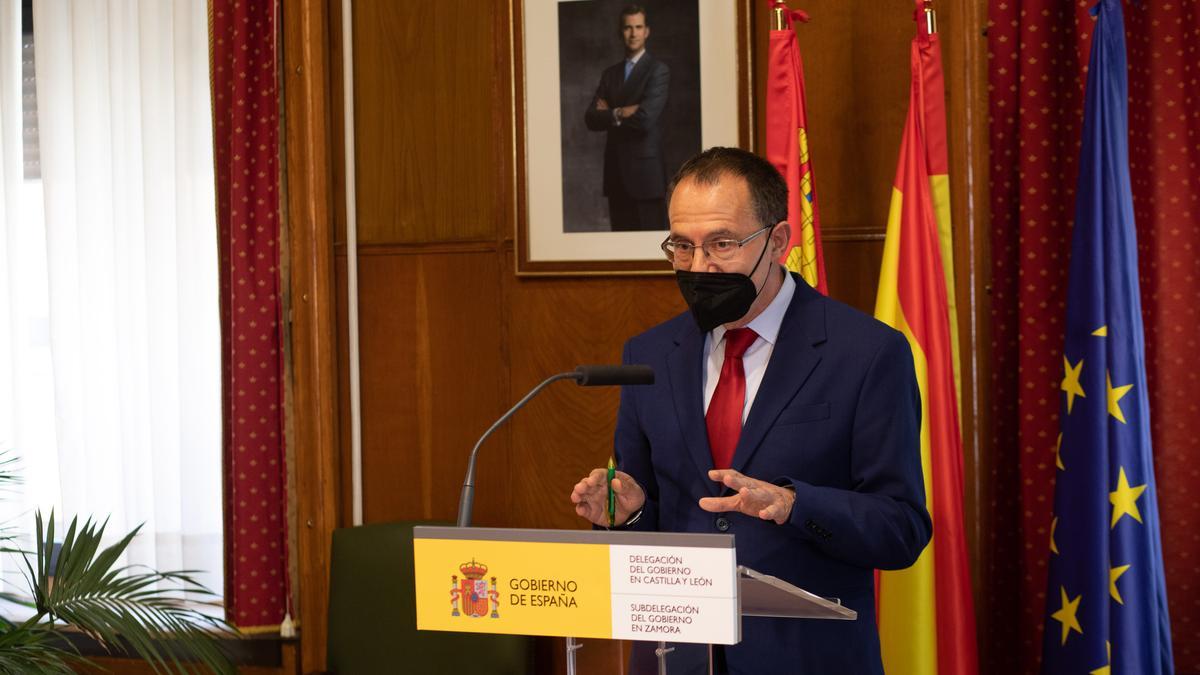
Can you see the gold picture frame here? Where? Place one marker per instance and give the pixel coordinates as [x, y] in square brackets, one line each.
[548, 242]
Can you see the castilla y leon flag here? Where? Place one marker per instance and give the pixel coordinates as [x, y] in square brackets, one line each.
[1106, 598]
[926, 612]
[787, 146]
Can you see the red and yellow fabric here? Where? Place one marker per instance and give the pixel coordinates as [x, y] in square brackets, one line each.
[787, 149]
[926, 612]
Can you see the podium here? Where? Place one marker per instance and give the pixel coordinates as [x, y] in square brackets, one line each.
[656, 587]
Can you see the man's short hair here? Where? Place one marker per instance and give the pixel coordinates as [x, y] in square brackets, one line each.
[768, 191]
[630, 10]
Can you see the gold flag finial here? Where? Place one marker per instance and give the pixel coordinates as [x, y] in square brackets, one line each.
[777, 21]
[930, 18]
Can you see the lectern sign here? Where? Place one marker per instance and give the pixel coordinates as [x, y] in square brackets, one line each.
[673, 587]
[668, 592]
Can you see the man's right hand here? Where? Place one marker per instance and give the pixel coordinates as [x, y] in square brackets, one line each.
[590, 497]
[601, 104]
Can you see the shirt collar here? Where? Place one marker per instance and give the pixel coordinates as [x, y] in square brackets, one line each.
[636, 57]
[768, 323]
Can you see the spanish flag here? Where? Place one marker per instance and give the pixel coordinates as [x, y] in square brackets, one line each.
[787, 146]
[926, 612]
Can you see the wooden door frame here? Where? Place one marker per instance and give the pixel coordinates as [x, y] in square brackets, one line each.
[965, 70]
[312, 316]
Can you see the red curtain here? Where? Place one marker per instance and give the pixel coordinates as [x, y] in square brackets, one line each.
[1037, 54]
[246, 123]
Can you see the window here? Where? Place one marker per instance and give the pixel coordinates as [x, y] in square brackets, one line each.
[109, 325]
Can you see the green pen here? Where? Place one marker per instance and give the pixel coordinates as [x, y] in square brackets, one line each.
[612, 496]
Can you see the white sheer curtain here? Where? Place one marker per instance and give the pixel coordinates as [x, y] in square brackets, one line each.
[125, 307]
[10, 214]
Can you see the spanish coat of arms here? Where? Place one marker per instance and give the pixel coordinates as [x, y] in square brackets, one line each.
[473, 592]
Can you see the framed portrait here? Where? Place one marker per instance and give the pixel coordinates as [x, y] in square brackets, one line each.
[608, 103]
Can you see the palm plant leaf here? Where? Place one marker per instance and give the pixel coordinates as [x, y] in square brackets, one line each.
[35, 648]
[9, 477]
[9, 463]
[123, 608]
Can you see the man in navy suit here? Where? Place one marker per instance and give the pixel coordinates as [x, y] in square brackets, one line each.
[778, 415]
[627, 105]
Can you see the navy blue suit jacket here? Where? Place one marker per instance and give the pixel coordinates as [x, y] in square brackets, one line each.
[633, 151]
[837, 417]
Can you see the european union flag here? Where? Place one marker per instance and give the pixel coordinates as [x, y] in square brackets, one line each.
[1106, 601]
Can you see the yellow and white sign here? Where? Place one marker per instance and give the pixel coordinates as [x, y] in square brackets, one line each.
[578, 584]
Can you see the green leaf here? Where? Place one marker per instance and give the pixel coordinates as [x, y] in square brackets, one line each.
[124, 608]
[34, 648]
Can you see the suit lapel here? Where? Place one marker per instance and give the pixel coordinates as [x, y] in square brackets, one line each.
[684, 366]
[792, 361]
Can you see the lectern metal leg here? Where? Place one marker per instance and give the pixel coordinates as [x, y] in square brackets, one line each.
[710, 660]
[661, 653]
[572, 646]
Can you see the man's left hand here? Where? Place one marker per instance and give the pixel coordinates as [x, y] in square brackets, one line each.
[754, 497]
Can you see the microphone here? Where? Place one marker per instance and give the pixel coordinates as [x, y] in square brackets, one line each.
[603, 376]
[584, 376]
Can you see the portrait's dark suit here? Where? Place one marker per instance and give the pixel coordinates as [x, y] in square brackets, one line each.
[837, 417]
[635, 179]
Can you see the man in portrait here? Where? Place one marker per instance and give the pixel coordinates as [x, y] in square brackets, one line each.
[778, 415]
[627, 106]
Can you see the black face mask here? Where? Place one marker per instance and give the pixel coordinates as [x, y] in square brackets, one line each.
[718, 298]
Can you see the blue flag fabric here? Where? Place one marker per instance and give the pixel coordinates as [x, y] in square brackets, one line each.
[1106, 599]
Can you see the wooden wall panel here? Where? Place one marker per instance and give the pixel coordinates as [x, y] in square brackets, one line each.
[555, 325]
[345, 483]
[426, 82]
[433, 379]
[852, 268]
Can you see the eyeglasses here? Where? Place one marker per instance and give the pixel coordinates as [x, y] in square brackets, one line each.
[681, 252]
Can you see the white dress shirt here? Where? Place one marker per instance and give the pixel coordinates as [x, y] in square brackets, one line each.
[755, 360]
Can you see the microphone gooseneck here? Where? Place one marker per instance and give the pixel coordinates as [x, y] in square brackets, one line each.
[585, 376]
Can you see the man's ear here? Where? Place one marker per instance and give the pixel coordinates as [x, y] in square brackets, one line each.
[780, 236]
[647, 34]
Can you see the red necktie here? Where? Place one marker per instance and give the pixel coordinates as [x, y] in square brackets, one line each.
[724, 417]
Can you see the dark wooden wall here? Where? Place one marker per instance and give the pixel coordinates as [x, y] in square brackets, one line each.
[450, 336]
